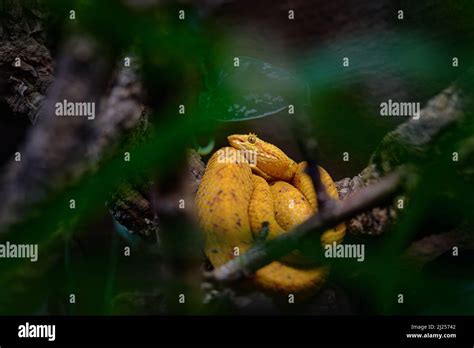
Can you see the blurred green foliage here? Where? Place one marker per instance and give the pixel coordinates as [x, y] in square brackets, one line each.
[180, 65]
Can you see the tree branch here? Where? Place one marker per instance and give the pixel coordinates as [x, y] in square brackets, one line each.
[409, 142]
[60, 149]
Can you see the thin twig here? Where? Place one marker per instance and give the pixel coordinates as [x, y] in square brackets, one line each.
[263, 233]
[308, 144]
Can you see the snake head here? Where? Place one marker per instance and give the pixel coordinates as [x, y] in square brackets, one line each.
[244, 142]
[268, 158]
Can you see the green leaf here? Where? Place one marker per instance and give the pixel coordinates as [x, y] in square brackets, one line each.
[254, 89]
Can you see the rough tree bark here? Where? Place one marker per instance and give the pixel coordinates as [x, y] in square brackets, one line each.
[58, 149]
[26, 66]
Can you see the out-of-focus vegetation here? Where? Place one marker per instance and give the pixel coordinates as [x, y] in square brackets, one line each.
[185, 62]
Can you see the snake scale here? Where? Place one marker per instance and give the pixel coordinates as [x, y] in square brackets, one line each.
[252, 182]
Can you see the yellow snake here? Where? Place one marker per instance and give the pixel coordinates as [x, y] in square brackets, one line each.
[252, 182]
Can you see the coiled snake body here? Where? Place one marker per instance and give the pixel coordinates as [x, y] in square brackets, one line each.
[236, 196]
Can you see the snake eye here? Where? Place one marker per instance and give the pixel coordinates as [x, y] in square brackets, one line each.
[252, 139]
